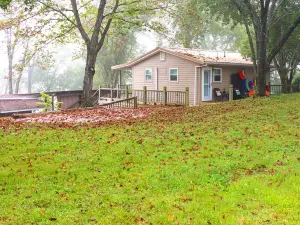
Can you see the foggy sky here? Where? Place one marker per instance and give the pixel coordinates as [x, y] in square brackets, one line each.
[147, 40]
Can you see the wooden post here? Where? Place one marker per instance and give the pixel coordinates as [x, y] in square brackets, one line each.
[298, 87]
[111, 92]
[52, 103]
[135, 102]
[118, 87]
[165, 94]
[187, 97]
[126, 92]
[144, 95]
[99, 97]
[230, 92]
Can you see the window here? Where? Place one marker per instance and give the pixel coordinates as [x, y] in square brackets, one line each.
[162, 56]
[174, 74]
[148, 74]
[217, 74]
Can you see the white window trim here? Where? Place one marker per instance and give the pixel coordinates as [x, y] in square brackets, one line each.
[213, 75]
[170, 74]
[145, 74]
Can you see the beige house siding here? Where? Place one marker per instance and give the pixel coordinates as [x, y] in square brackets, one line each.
[186, 75]
[227, 71]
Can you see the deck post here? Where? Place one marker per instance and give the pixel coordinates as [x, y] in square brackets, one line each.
[187, 97]
[111, 92]
[126, 91]
[135, 102]
[144, 95]
[99, 98]
[52, 103]
[230, 92]
[165, 94]
[118, 87]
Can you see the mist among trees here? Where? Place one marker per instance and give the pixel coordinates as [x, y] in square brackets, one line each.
[104, 33]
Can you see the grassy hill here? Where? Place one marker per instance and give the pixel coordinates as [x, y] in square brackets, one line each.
[232, 163]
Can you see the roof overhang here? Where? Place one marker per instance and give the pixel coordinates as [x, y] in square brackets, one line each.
[154, 52]
[128, 66]
[229, 64]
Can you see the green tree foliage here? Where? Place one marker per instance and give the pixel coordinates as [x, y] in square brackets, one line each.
[196, 28]
[117, 50]
[28, 33]
[297, 78]
[188, 23]
[288, 58]
[45, 102]
[94, 21]
[261, 16]
[4, 3]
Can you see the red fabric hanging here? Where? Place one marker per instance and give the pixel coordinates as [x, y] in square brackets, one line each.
[241, 74]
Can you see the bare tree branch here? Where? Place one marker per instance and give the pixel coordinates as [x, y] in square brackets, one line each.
[283, 40]
[84, 35]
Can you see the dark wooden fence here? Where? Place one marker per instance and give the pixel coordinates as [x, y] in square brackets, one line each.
[164, 97]
[277, 89]
[124, 103]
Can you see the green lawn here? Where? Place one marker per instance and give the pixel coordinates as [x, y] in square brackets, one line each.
[232, 163]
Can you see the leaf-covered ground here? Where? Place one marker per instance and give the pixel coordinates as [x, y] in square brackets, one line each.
[232, 163]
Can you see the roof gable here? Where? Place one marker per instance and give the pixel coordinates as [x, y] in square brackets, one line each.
[201, 57]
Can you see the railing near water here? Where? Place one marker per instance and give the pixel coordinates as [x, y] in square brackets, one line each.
[293, 88]
[164, 97]
[277, 89]
[124, 103]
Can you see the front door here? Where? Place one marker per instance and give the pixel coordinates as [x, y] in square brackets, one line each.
[206, 85]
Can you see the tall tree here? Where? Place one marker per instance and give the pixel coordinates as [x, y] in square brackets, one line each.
[188, 23]
[27, 35]
[262, 16]
[288, 58]
[101, 18]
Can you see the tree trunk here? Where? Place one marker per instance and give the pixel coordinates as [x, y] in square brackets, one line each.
[10, 74]
[89, 77]
[283, 74]
[21, 68]
[284, 83]
[10, 54]
[261, 81]
[30, 71]
[18, 83]
[262, 65]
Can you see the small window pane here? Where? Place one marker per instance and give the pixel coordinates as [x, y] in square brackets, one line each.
[173, 71]
[173, 77]
[217, 75]
[217, 71]
[148, 74]
[217, 78]
[173, 74]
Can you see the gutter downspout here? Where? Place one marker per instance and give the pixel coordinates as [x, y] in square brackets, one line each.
[156, 81]
[195, 83]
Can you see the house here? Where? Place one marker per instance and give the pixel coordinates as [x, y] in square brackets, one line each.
[177, 68]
